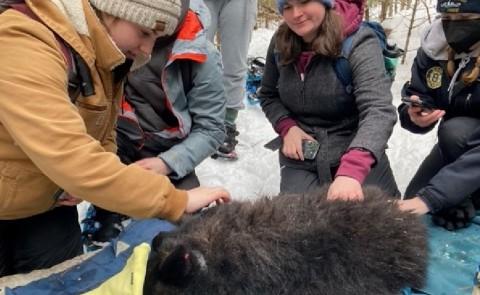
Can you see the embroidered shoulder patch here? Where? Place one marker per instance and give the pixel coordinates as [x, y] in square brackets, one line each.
[434, 77]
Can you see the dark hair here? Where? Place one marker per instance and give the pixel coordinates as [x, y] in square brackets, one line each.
[327, 42]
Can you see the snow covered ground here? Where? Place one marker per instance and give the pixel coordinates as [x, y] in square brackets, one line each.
[257, 171]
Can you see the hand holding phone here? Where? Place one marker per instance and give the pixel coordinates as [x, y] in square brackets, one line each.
[310, 149]
[411, 102]
[421, 113]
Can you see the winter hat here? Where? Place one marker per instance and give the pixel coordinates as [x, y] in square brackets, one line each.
[327, 3]
[160, 15]
[458, 6]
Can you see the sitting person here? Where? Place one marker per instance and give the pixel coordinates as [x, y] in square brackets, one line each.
[306, 102]
[53, 141]
[444, 88]
[173, 110]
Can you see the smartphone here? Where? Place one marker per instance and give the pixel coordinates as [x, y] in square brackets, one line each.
[418, 103]
[274, 144]
[310, 149]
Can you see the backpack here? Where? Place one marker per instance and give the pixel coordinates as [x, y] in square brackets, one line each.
[342, 68]
[255, 68]
[79, 77]
[391, 53]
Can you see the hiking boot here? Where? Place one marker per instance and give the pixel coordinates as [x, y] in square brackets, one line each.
[227, 149]
[230, 141]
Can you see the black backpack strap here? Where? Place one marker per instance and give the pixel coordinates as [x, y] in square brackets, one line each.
[342, 66]
[83, 75]
[79, 77]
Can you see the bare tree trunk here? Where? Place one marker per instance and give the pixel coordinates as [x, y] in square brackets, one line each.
[383, 10]
[367, 13]
[428, 11]
[410, 30]
[390, 8]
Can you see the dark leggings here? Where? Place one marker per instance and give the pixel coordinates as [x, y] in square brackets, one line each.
[40, 241]
[453, 135]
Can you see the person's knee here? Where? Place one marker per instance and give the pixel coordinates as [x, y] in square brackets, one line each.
[453, 135]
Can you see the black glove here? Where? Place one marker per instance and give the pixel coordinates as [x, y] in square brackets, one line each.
[456, 217]
[476, 199]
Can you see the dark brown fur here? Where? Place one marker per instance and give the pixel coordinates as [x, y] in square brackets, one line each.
[292, 244]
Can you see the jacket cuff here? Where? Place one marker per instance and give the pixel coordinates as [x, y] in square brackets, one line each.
[406, 122]
[175, 205]
[283, 125]
[433, 204]
[356, 164]
[173, 162]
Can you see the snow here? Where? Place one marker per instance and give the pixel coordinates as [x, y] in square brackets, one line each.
[257, 173]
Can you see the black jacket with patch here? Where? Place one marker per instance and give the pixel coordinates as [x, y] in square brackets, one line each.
[431, 82]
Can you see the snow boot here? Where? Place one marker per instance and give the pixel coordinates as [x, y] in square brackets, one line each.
[227, 150]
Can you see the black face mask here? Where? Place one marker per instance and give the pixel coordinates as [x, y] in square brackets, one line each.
[461, 34]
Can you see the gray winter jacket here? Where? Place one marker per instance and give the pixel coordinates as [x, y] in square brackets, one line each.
[321, 107]
[199, 108]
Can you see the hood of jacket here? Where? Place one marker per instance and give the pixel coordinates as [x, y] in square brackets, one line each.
[434, 43]
[191, 41]
[351, 12]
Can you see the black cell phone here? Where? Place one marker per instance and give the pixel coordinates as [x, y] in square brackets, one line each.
[310, 149]
[274, 144]
[417, 103]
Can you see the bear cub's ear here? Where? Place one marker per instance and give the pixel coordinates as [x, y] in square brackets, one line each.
[177, 268]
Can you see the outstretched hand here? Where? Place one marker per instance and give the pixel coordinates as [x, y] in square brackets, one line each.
[414, 205]
[345, 188]
[201, 197]
[421, 117]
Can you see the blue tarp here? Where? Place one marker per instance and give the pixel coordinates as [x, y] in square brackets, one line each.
[89, 274]
[454, 258]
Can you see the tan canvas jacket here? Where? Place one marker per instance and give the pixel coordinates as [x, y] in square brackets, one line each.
[46, 142]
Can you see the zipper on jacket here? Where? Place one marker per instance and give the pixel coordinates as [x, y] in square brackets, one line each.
[303, 76]
[169, 105]
[463, 63]
[467, 101]
[302, 88]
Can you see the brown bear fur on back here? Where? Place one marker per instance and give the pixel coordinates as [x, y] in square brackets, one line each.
[292, 244]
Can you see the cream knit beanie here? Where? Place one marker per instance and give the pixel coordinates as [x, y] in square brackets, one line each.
[160, 15]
